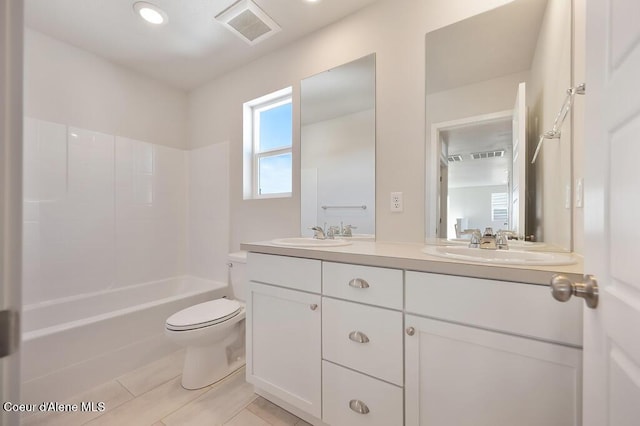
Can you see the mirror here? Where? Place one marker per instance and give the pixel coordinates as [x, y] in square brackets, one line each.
[494, 83]
[337, 149]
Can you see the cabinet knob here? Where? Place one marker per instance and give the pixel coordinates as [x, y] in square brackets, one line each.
[359, 283]
[358, 406]
[358, 337]
[313, 306]
[411, 331]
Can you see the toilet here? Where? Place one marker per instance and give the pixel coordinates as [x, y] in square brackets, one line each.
[213, 332]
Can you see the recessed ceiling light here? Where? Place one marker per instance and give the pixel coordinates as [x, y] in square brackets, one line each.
[150, 12]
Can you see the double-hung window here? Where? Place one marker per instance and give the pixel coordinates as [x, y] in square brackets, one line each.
[267, 141]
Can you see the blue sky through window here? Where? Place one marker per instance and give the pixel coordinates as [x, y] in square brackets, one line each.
[275, 174]
[275, 127]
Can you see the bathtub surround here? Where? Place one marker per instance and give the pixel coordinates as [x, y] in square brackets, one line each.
[100, 211]
[107, 225]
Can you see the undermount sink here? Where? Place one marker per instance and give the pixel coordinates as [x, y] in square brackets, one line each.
[309, 242]
[500, 257]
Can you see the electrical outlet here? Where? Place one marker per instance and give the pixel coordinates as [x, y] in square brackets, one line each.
[396, 202]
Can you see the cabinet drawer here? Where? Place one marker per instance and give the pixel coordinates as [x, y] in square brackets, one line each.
[366, 284]
[342, 386]
[292, 272]
[376, 349]
[523, 309]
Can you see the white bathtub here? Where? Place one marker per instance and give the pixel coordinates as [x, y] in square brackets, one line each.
[74, 344]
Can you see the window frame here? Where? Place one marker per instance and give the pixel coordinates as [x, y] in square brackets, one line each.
[252, 152]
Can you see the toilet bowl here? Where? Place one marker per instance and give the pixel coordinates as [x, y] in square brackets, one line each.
[213, 332]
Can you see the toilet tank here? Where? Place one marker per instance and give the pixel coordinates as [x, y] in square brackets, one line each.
[238, 274]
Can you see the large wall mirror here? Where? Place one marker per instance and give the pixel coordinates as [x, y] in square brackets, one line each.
[337, 149]
[494, 83]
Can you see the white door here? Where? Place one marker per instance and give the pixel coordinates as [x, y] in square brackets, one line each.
[519, 140]
[11, 28]
[612, 203]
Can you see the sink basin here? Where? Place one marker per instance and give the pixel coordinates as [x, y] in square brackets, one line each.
[500, 257]
[512, 243]
[309, 242]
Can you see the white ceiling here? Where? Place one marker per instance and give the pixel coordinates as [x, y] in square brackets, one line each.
[192, 47]
[487, 136]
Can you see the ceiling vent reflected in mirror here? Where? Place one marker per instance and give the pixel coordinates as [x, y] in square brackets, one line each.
[487, 154]
[246, 20]
[454, 158]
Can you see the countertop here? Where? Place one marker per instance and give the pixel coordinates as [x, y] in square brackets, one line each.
[409, 256]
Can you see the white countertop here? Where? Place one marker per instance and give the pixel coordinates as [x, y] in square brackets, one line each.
[409, 256]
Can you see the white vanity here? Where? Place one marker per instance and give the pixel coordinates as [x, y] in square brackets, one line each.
[383, 334]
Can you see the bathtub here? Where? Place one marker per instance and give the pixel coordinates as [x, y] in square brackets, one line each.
[74, 344]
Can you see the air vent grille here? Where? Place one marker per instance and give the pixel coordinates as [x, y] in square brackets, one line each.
[454, 158]
[487, 154]
[249, 25]
[246, 20]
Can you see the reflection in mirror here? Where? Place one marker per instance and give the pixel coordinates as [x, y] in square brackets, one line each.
[337, 150]
[494, 83]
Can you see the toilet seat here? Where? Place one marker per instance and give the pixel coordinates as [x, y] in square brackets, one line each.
[203, 315]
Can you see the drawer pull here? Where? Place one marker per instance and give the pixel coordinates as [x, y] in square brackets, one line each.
[411, 331]
[359, 283]
[358, 337]
[313, 306]
[358, 406]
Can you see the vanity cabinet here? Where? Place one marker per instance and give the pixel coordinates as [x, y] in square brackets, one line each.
[489, 353]
[361, 345]
[283, 329]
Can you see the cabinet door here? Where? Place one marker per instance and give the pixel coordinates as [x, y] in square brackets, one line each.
[465, 376]
[283, 345]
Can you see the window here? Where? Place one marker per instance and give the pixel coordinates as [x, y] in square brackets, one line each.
[499, 207]
[268, 133]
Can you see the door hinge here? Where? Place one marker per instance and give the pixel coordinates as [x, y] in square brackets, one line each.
[9, 332]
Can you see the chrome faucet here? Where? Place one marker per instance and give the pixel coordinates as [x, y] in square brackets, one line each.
[318, 233]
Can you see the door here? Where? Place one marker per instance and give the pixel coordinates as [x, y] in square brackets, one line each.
[11, 28]
[612, 202]
[283, 345]
[519, 159]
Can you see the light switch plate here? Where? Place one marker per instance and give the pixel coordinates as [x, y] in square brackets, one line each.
[579, 193]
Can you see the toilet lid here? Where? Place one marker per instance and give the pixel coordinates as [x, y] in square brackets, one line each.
[203, 314]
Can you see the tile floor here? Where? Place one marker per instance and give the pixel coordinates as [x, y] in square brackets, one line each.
[152, 396]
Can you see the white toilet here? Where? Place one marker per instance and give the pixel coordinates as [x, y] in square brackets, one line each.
[213, 332]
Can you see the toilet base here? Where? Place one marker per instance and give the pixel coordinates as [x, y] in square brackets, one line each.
[205, 365]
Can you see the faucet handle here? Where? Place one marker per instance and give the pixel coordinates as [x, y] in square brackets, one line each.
[475, 239]
[502, 241]
[346, 230]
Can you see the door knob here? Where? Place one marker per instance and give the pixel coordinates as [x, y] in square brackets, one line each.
[562, 288]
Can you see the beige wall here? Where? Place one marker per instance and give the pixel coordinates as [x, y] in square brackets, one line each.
[393, 30]
[67, 85]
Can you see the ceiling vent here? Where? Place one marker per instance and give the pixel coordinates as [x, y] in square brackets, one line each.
[454, 158]
[246, 20]
[487, 154]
